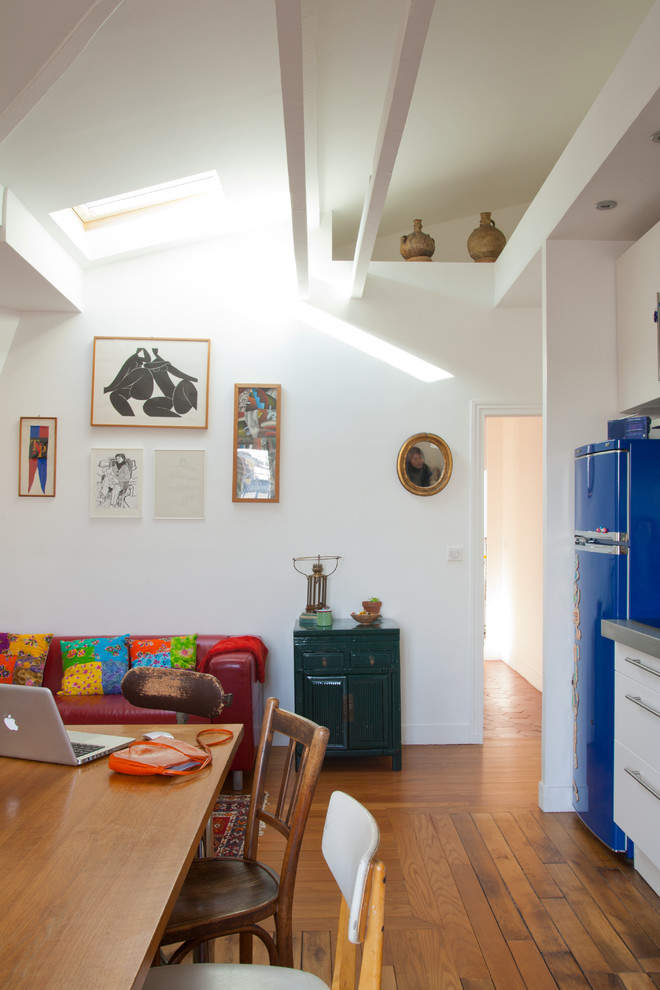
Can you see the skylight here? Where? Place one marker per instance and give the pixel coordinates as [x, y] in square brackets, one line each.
[140, 199]
[167, 213]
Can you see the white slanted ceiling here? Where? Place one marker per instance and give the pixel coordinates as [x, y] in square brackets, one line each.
[372, 112]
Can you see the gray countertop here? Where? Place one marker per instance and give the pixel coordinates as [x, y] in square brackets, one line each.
[646, 639]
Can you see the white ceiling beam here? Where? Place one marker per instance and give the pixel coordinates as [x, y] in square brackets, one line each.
[405, 66]
[65, 51]
[310, 90]
[290, 43]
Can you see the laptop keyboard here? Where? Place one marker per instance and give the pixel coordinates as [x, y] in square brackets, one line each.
[82, 749]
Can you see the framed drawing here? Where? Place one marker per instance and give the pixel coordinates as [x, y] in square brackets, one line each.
[256, 474]
[179, 484]
[116, 483]
[37, 456]
[150, 381]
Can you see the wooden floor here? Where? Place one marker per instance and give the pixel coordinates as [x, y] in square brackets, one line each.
[484, 890]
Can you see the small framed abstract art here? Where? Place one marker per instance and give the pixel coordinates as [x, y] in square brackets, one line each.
[116, 483]
[150, 381]
[179, 484]
[256, 474]
[37, 457]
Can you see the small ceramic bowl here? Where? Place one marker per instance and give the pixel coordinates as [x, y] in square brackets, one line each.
[365, 617]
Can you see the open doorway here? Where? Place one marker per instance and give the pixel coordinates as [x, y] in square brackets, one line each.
[513, 567]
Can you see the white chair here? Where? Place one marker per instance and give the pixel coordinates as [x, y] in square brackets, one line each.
[350, 842]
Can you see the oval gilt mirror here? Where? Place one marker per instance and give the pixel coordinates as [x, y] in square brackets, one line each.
[424, 464]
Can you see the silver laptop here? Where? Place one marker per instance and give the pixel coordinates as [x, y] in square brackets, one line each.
[31, 728]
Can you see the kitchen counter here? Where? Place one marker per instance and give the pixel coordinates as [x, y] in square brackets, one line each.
[646, 639]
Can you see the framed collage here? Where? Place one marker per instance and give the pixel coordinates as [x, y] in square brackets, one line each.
[256, 472]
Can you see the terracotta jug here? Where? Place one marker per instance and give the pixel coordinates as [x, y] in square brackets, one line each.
[486, 242]
[417, 246]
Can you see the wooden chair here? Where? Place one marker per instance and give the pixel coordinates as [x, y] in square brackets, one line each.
[350, 842]
[222, 896]
[186, 692]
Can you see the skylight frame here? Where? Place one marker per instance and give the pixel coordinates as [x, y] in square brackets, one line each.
[162, 194]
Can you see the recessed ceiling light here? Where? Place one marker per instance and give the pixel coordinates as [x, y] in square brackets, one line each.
[656, 137]
[606, 204]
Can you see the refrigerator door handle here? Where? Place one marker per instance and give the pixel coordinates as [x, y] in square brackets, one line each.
[642, 704]
[614, 549]
[590, 474]
[600, 536]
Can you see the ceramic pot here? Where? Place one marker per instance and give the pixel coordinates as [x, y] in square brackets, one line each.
[417, 246]
[486, 242]
[372, 606]
[324, 617]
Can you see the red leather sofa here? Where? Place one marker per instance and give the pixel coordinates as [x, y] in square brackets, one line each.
[236, 671]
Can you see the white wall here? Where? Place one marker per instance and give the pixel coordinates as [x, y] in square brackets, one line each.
[344, 418]
[579, 397]
[514, 604]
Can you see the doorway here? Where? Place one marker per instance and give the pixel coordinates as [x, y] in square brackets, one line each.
[513, 566]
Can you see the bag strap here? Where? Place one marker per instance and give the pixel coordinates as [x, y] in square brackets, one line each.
[226, 735]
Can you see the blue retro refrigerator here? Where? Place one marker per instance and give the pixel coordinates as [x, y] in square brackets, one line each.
[617, 576]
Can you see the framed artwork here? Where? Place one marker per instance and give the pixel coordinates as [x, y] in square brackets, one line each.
[256, 474]
[150, 381]
[37, 456]
[179, 477]
[116, 483]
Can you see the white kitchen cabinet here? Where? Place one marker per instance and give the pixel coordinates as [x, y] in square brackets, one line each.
[637, 755]
[637, 288]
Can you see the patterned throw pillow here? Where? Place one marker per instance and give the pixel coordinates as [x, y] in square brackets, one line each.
[166, 651]
[23, 658]
[94, 666]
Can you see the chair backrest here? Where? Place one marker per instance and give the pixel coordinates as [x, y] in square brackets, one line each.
[350, 842]
[188, 692]
[287, 809]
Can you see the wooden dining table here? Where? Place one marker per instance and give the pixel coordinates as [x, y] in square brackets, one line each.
[91, 862]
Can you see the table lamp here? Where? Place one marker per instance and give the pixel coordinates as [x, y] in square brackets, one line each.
[317, 585]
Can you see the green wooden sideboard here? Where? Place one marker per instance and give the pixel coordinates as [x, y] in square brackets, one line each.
[347, 677]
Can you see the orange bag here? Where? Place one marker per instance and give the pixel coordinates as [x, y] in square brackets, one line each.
[172, 757]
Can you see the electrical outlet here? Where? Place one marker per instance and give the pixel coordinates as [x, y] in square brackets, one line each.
[454, 553]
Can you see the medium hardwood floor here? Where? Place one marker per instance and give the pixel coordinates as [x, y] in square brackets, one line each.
[484, 891]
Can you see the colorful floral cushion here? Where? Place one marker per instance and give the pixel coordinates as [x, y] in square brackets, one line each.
[165, 651]
[94, 666]
[23, 658]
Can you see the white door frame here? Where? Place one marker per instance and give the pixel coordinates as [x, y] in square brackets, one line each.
[479, 412]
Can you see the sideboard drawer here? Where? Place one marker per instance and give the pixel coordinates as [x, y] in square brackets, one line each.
[324, 661]
[372, 658]
[637, 799]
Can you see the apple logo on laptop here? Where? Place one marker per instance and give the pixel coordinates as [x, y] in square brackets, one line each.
[10, 723]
